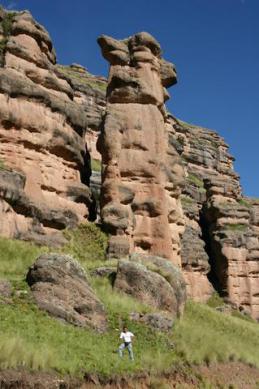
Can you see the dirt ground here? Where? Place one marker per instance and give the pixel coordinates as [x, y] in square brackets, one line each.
[231, 375]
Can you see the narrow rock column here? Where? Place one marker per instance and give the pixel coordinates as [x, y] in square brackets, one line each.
[136, 202]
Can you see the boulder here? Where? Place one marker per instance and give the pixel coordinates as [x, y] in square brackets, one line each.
[171, 273]
[162, 287]
[59, 285]
[104, 271]
[159, 321]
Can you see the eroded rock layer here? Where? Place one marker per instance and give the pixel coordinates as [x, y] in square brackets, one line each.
[168, 188]
[220, 242]
[141, 175]
[45, 114]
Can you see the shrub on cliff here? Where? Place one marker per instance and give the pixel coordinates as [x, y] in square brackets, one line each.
[7, 23]
[87, 243]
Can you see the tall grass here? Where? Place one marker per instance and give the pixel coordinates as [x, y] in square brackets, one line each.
[16, 257]
[116, 302]
[16, 352]
[45, 343]
[30, 338]
[87, 243]
[205, 335]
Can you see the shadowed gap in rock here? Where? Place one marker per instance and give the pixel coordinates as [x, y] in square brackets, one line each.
[85, 174]
[218, 263]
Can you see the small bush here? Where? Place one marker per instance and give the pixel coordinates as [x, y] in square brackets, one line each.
[160, 383]
[187, 201]
[242, 316]
[7, 28]
[196, 181]
[87, 243]
[96, 165]
[7, 23]
[215, 301]
[245, 203]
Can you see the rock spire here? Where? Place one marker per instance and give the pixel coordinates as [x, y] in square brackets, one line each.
[139, 207]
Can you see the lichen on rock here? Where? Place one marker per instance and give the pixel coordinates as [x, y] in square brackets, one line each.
[60, 286]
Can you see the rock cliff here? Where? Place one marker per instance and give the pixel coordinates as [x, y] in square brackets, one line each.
[220, 241]
[47, 116]
[168, 188]
[141, 175]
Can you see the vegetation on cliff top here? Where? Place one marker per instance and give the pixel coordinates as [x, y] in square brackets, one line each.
[84, 78]
[32, 339]
[5, 31]
[187, 125]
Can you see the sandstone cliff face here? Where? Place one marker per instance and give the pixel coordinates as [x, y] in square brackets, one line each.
[220, 241]
[168, 188]
[45, 115]
[205, 157]
[141, 176]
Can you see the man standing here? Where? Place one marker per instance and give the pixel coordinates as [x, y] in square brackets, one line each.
[126, 336]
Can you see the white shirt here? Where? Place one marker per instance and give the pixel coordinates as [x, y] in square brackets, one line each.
[126, 336]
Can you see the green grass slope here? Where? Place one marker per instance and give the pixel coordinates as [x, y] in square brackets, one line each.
[30, 338]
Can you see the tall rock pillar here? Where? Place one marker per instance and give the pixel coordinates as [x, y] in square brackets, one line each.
[138, 198]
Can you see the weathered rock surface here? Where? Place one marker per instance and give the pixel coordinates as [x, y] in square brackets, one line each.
[139, 202]
[47, 115]
[168, 188]
[160, 287]
[89, 94]
[169, 271]
[60, 287]
[160, 321]
[220, 242]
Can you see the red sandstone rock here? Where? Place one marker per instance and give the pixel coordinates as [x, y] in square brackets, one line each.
[216, 214]
[44, 118]
[137, 199]
[50, 118]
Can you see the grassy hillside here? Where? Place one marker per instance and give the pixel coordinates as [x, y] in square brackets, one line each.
[30, 338]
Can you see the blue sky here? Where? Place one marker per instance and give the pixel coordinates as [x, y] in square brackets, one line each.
[214, 44]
